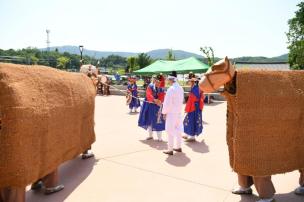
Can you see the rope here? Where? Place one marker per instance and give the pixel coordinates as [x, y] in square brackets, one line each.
[140, 99]
[159, 114]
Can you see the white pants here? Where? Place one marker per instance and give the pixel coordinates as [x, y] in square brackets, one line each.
[174, 129]
[159, 133]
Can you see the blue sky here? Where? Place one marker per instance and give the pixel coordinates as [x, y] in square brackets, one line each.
[231, 27]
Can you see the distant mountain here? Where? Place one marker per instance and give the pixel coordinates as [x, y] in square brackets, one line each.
[162, 53]
[91, 53]
[281, 58]
[155, 54]
[179, 54]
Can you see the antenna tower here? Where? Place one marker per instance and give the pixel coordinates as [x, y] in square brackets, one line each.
[48, 39]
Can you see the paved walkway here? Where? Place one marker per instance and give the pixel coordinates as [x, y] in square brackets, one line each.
[129, 169]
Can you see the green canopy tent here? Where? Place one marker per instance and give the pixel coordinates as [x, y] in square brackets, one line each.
[180, 66]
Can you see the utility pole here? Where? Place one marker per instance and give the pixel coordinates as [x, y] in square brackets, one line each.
[48, 39]
[81, 50]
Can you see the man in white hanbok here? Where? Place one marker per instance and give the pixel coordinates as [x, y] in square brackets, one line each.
[172, 112]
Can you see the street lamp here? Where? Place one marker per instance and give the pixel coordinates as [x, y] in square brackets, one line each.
[81, 50]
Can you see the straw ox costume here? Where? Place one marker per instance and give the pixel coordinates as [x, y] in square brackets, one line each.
[265, 123]
[37, 105]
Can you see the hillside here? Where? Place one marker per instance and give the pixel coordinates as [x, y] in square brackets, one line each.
[155, 54]
[162, 53]
[179, 54]
[91, 53]
[281, 58]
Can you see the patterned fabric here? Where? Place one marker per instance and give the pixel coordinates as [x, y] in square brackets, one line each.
[135, 103]
[149, 112]
[193, 123]
[194, 96]
[161, 94]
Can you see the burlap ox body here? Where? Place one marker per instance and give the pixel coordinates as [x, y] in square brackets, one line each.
[47, 118]
[265, 122]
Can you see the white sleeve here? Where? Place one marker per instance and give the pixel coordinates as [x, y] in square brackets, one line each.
[167, 102]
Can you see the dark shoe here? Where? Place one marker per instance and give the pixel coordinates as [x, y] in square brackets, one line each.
[299, 191]
[37, 185]
[87, 155]
[266, 200]
[170, 153]
[190, 140]
[242, 192]
[178, 150]
[53, 189]
[149, 138]
[185, 137]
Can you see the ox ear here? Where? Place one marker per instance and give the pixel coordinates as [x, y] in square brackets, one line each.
[226, 59]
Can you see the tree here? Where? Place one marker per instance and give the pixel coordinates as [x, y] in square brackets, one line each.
[170, 55]
[34, 60]
[11, 52]
[56, 59]
[114, 61]
[295, 38]
[143, 60]
[62, 62]
[209, 53]
[131, 64]
[121, 71]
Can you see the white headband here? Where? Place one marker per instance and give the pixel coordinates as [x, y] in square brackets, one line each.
[172, 78]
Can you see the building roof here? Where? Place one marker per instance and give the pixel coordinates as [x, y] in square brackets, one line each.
[263, 65]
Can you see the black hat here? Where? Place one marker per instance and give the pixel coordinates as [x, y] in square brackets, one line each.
[159, 77]
[191, 75]
[172, 75]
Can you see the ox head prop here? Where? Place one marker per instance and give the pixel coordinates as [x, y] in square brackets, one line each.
[219, 74]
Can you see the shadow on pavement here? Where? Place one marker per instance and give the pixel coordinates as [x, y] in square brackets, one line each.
[72, 174]
[249, 198]
[215, 103]
[133, 113]
[289, 197]
[178, 160]
[205, 123]
[155, 144]
[200, 147]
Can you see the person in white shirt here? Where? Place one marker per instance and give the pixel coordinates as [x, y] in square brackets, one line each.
[172, 112]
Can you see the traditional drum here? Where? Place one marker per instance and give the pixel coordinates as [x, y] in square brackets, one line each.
[128, 98]
[103, 79]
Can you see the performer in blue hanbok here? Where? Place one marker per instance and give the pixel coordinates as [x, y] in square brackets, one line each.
[150, 117]
[193, 123]
[132, 98]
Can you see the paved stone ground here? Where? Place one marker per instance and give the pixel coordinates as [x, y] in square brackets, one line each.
[129, 169]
